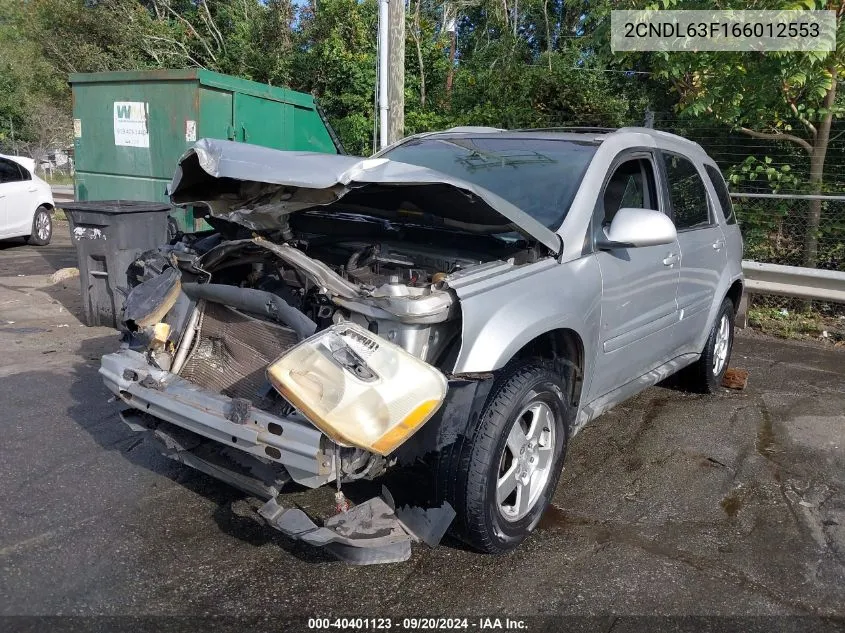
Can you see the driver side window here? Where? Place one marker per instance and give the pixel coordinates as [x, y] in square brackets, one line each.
[631, 185]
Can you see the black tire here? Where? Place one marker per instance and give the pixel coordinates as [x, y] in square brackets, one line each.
[42, 227]
[468, 473]
[701, 375]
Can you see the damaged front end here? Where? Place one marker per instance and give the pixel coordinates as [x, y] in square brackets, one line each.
[307, 337]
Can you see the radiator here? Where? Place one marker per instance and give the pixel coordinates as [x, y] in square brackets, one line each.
[232, 352]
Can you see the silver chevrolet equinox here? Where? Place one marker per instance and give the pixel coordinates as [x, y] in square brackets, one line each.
[459, 305]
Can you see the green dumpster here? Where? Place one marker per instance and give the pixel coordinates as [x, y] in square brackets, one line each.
[130, 128]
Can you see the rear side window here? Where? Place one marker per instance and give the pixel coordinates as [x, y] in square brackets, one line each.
[687, 193]
[25, 175]
[9, 171]
[721, 193]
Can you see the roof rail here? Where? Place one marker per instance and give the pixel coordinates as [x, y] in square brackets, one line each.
[588, 129]
[475, 128]
[661, 133]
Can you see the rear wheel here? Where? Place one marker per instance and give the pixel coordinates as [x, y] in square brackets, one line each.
[42, 227]
[510, 463]
[706, 374]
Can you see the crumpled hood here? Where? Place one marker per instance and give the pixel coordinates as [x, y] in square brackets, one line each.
[257, 186]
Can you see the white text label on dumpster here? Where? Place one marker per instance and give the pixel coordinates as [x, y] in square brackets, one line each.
[130, 124]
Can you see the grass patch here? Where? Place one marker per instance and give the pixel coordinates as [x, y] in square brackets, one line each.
[795, 324]
[58, 179]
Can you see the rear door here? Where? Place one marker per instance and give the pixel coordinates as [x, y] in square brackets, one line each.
[638, 305]
[702, 244]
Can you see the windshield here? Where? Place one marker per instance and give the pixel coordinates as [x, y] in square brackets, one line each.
[540, 176]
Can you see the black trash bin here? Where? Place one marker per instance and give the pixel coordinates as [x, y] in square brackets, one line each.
[108, 236]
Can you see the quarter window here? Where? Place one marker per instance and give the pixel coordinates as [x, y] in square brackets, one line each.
[687, 193]
[721, 193]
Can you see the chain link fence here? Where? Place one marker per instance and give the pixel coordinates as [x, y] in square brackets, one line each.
[783, 229]
[52, 165]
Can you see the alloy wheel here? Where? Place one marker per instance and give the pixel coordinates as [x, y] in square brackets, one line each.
[722, 345]
[526, 462]
[42, 226]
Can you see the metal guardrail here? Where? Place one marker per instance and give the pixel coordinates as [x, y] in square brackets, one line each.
[787, 196]
[62, 193]
[794, 281]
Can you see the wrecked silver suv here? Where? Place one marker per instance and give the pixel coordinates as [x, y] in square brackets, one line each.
[464, 301]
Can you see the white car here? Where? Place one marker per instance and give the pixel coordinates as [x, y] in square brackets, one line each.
[26, 202]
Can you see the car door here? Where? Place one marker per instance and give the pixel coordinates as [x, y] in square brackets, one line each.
[702, 244]
[8, 173]
[14, 200]
[639, 285]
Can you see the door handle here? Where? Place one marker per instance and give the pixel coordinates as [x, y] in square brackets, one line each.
[671, 259]
[34, 189]
[718, 244]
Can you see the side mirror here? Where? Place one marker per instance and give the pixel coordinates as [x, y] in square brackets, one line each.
[634, 228]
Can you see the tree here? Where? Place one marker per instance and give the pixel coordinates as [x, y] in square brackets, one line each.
[48, 127]
[29, 86]
[336, 61]
[781, 97]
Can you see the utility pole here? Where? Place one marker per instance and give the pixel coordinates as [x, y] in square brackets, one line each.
[391, 71]
[383, 101]
[450, 25]
[396, 77]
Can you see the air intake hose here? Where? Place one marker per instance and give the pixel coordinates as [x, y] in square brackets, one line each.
[254, 301]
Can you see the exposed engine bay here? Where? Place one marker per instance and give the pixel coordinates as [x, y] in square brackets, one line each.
[396, 287]
[217, 308]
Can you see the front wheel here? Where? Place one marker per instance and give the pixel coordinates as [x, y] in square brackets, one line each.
[706, 374]
[510, 463]
[42, 228]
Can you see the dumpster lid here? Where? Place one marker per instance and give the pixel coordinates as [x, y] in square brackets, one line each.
[116, 207]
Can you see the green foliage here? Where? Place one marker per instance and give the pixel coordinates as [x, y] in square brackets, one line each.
[777, 177]
[502, 85]
[337, 63]
[512, 70]
[531, 63]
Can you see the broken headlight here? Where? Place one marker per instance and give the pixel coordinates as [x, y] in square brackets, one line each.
[358, 388]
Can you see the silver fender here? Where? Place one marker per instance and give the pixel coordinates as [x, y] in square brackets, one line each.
[502, 312]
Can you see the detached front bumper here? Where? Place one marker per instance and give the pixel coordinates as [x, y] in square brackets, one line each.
[291, 441]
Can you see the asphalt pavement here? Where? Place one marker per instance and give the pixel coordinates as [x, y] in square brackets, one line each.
[671, 504]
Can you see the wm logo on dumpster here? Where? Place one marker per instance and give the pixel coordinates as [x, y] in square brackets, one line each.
[130, 124]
